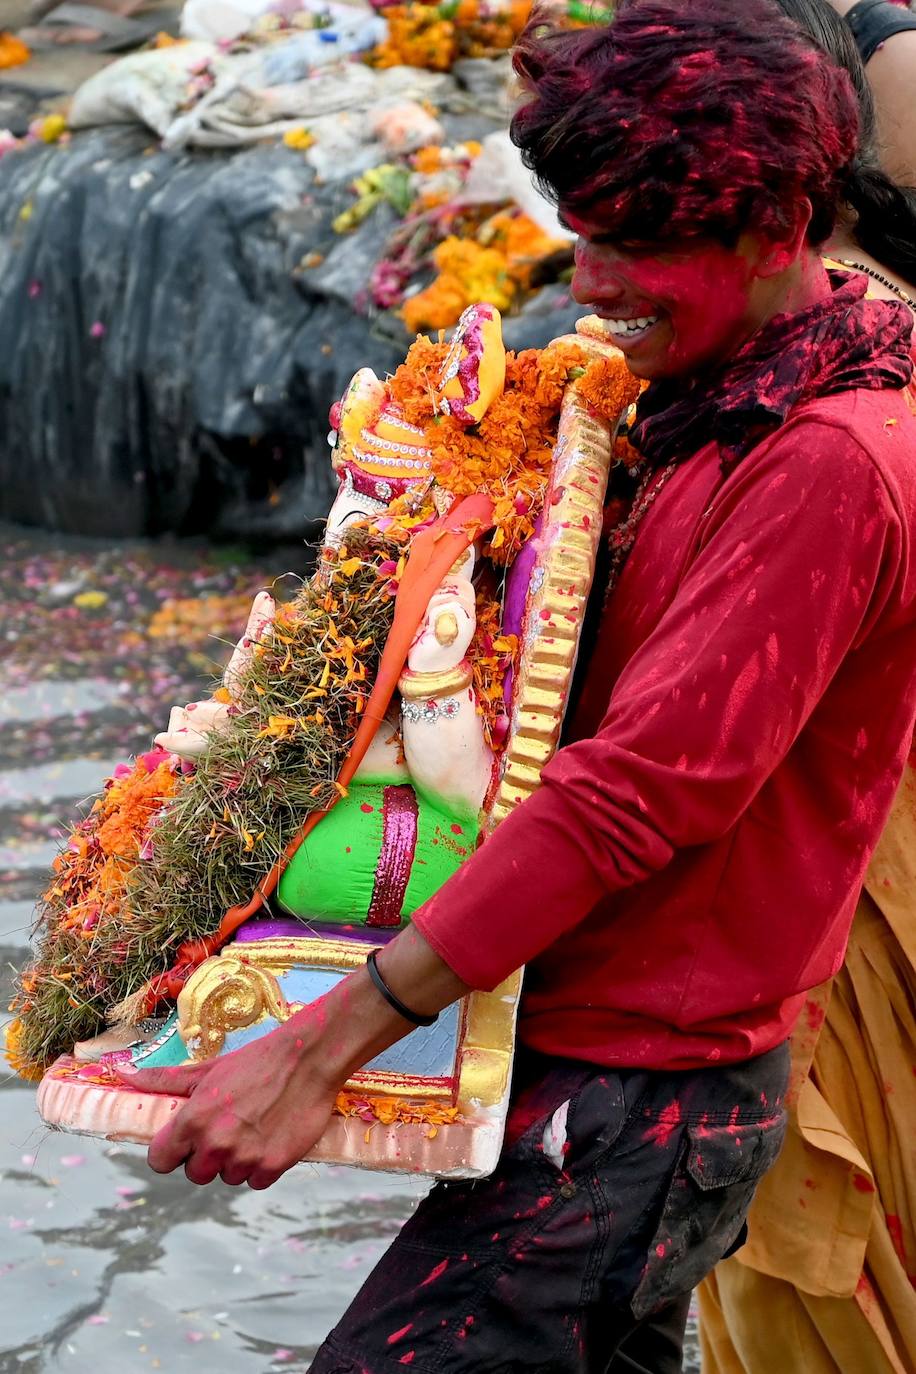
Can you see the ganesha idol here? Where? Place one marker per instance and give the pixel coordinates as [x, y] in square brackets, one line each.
[433, 782]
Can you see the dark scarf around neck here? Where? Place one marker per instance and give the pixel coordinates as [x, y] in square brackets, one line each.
[841, 343]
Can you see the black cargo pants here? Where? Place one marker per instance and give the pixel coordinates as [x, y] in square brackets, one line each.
[616, 1192]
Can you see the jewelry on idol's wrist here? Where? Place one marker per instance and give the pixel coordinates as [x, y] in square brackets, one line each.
[428, 686]
[430, 710]
[392, 999]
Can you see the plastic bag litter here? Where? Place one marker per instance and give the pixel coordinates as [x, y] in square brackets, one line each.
[404, 126]
[197, 95]
[144, 88]
[165, 363]
[221, 21]
[499, 174]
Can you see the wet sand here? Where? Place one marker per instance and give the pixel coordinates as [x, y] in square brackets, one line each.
[106, 1267]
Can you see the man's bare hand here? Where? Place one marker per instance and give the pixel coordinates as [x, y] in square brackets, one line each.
[251, 1114]
[254, 1113]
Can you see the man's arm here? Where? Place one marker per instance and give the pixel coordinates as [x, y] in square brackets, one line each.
[803, 549]
[801, 552]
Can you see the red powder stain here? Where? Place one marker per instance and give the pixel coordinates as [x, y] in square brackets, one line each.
[733, 1117]
[435, 1273]
[348, 850]
[668, 1122]
[660, 1251]
[408, 1358]
[456, 830]
[495, 1236]
[814, 1015]
[468, 1322]
[862, 1184]
[398, 1335]
[367, 808]
[544, 1202]
[895, 1230]
[865, 1294]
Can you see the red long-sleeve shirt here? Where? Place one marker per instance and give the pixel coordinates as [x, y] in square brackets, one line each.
[692, 861]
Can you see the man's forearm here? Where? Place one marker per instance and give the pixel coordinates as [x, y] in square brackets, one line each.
[354, 1022]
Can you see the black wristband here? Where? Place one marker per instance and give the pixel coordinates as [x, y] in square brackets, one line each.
[873, 22]
[395, 1002]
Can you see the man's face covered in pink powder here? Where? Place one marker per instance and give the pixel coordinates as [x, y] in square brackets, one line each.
[674, 313]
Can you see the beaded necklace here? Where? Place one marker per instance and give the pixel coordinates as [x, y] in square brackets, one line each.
[623, 536]
[879, 276]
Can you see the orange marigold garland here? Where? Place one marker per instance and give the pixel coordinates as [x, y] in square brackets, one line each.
[20, 1063]
[509, 454]
[494, 266]
[436, 36]
[493, 656]
[87, 897]
[389, 1111]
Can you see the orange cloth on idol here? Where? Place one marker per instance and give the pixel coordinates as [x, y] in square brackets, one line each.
[825, 1284]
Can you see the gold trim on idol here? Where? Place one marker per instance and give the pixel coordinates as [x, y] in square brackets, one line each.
[556, 608]
[429, 686]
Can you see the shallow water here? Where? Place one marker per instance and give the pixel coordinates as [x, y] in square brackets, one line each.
[105, 1266]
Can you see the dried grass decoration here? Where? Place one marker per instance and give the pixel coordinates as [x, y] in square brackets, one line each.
[163, 855]
[166, 853]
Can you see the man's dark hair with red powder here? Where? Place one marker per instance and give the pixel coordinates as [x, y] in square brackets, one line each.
[680, 120]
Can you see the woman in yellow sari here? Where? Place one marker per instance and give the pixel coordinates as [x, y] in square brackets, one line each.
[826, 1280]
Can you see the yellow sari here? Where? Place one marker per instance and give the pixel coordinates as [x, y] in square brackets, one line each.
[827, 1281]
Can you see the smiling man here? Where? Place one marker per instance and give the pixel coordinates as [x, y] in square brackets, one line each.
[692, 862]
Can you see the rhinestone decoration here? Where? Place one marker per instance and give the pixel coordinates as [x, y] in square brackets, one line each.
[381, 462]
[444, 708]
[391, 446]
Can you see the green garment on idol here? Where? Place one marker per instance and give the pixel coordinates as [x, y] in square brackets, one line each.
[378, 855]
